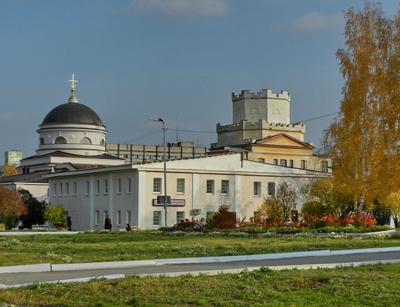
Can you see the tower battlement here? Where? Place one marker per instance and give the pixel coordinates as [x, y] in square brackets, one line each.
[260, 125]
[263, 94]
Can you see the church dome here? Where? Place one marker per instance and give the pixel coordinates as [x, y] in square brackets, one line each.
[72, 113]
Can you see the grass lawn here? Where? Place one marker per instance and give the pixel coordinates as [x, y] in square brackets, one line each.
[376, 285]
[93, 247]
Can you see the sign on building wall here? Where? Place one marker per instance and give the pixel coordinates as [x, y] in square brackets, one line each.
[173, 203]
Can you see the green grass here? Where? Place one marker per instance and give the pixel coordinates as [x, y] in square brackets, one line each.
[93, 247]
[376, 285]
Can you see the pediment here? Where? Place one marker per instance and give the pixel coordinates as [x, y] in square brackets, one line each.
[282, 140]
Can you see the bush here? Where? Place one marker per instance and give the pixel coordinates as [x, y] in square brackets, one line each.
[56, 216]
[223, 219]
[270, 214]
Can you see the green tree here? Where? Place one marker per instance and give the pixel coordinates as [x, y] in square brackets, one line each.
[55, 215]
[35, 210]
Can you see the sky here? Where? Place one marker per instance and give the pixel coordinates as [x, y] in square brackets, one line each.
[175, 59]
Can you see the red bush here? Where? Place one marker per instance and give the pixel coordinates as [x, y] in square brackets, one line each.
[223, 219]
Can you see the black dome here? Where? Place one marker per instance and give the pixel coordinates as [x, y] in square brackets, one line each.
[72, 113]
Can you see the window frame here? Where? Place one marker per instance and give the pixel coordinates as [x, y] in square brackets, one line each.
[180, 180]
[225, 183]
[159, 180]
[212, 181]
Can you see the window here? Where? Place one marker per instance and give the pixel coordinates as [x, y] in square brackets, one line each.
[271, 188]
[67, 188]
[210, 186]
[129, 185]
[276, 161]
[61, 188]
[96, 217]
[180, 186]
[303, 164]
[119, 185]
[105, 186]
[86, 141]
[60, 140]
[75, 188]
[291, 163]
[262, 160]
[42, 142]
[257, 188]
[119, 217]
[128, 217]
[157, 182]
[105, 215]
[324, 166]
[156, 218]
[224, 187]
[55, 189]
[102, 143]
[87, 187]
[97, 186]
[283, 162]
[180, 216]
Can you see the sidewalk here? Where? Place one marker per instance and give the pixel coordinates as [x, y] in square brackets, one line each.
[49, 267]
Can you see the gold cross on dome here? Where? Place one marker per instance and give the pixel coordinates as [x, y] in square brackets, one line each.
[73, 81]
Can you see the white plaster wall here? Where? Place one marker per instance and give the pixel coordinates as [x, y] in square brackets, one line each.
[278, 111]
[38, 190]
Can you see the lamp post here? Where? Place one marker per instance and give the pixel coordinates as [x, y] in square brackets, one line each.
[164, 129]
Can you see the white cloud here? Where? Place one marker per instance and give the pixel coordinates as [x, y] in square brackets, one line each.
[318, 21]
[182, 7]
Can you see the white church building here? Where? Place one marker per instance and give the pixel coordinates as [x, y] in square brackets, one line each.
[128, 194]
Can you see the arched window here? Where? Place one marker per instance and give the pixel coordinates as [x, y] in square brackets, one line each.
[60, 140]
[102, 142]
[86, 141]
[42, 142]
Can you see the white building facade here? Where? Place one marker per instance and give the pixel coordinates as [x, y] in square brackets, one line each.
[128, 194]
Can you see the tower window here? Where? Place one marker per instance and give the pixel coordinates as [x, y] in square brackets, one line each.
[60, 140]
[42, 142]
[102, 143]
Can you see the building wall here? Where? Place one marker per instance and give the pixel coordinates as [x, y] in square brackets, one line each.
[240, 197]
[73, 135]
[38, 190]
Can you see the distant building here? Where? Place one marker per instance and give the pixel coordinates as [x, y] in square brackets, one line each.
[262, 129]
[13, 157]
[137, 153]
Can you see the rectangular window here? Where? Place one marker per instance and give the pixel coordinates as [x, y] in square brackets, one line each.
[180, 186]
[67, 188]
[97, 217]
[129, 185]
[271, 188]
[224, 187]
[119, 185]
[257, 188]
[128, 217]
[105, 186]
[119, 217]
[303, 164]
[291, 163]
[324, 166]
[262, 160]
[55, 189]
[210, 186]
[157, 182]
[283, 162]
[75, 188]
[276, 161]
[156, 218]
[61, 188]
[180, 216]
[97, 186]
[87, 187]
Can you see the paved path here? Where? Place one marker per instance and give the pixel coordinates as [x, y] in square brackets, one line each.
[18, 279]
[36, 233]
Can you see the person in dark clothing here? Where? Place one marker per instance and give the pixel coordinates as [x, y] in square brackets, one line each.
[69, 223]
[107, 224]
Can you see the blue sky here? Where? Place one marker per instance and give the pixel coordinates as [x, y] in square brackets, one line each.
[179, 59]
